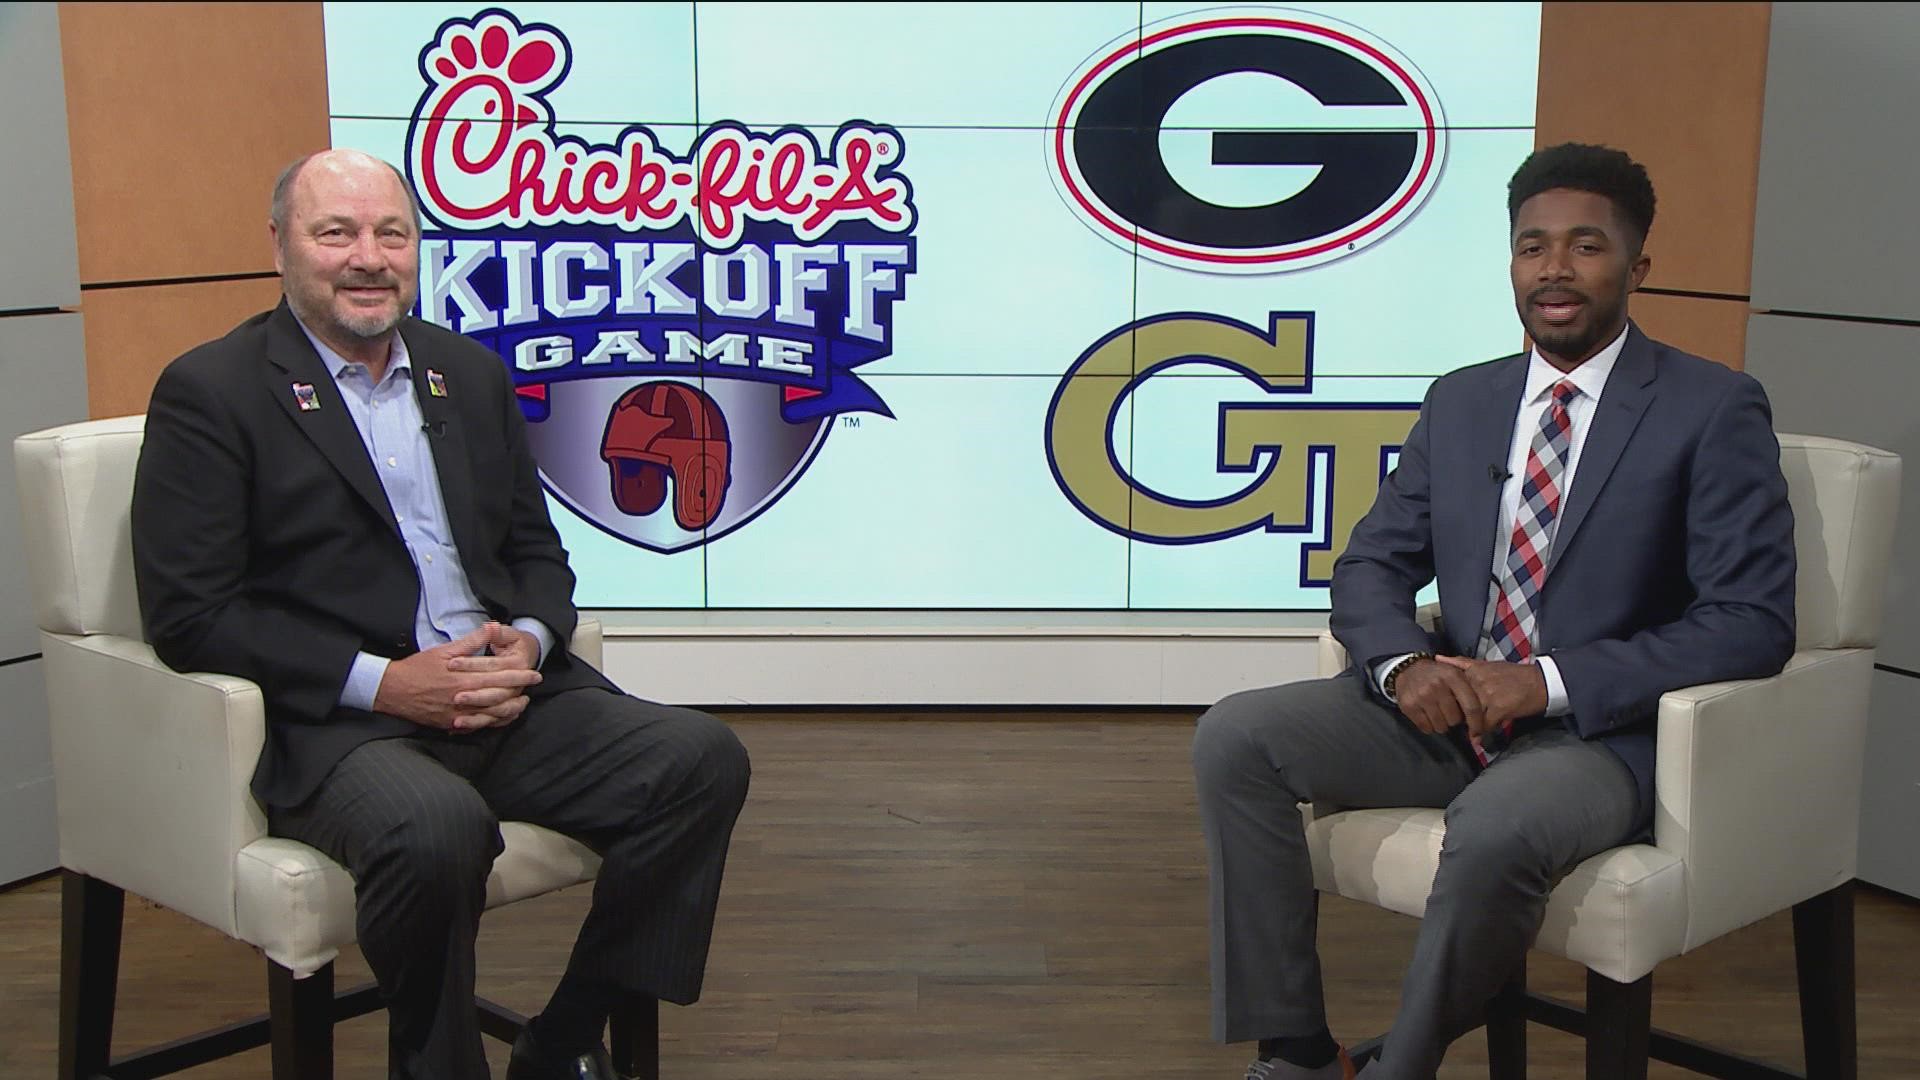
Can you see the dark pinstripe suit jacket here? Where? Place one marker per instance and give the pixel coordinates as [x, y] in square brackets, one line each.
[264, 546]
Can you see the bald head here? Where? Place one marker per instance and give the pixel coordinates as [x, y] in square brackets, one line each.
[343, 164]
[346, 236]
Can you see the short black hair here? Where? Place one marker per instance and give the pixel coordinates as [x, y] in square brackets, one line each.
[1601, 170]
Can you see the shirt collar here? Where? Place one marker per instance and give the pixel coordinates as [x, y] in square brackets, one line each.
[1590, 377]
[397, 356]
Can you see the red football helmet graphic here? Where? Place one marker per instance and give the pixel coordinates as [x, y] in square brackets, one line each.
[662, 429]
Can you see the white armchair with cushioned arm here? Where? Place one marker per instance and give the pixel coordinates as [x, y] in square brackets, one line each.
[151, 769]
[1757, 791]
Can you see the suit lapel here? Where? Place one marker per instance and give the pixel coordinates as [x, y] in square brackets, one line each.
[1488, 440]
[437, 392]
[1628, 393]
[292, 365]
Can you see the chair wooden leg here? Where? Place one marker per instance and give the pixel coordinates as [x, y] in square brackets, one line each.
[1823, 953]
[1507, 1030]
[634, 1032]
[90, 920]
[1619, 1025]
[300, 1018]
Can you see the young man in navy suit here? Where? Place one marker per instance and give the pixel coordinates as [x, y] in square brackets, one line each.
[336, 501]
[1606, 519]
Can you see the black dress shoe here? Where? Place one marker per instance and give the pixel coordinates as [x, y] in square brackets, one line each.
[531, 1061]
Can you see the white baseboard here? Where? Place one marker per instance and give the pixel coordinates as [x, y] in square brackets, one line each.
[932, 658]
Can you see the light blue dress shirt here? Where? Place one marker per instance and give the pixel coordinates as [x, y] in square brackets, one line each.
[388, 418]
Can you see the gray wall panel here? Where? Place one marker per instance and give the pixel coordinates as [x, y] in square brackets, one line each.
[1855, 381]
[39, 262]
[1834, 228]
[1890, 795]
[31, 845]
[43, 382]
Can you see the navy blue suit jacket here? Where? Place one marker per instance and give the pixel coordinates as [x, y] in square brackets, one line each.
[1673, 564]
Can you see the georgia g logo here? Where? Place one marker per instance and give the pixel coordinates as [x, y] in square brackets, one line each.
[680, 329]
[1245, 140]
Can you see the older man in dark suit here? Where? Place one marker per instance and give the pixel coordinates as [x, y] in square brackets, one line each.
[336, 501]
[1607, 521]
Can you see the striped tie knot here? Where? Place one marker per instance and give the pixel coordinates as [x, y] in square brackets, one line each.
[1557, 418]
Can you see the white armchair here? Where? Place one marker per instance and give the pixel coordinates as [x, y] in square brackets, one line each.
[151, 769]
[1757, 786]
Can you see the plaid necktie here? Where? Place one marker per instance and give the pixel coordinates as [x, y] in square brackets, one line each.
[1512, 616]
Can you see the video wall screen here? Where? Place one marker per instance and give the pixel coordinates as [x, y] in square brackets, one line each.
[1022, 306]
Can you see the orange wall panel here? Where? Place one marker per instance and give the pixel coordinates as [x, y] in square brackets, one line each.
[180, 116]
[1715, 329]
[132, 333]
[1681, 88]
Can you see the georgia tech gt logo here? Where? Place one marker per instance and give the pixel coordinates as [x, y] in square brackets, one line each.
[673, 323]
[1300, 454]
[1245, 140]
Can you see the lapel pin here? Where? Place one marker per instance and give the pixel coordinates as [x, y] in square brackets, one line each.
[436, 383]
[304, 397]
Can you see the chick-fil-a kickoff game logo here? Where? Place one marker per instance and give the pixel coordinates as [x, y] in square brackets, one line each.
[682, 329]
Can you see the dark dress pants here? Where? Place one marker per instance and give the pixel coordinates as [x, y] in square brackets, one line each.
[654, 789]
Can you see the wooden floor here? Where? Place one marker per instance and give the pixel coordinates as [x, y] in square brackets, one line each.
[967, 898]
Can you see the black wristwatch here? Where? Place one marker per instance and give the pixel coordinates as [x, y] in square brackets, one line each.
[1392, 676]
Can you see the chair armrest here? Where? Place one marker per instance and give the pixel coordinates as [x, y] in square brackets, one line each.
[585, 642]
[1333, 655]
[1757, 787]
[150, 772]
[152, 767]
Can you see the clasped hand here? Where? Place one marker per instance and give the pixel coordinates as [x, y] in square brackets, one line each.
[1485, 695]
[478, 681]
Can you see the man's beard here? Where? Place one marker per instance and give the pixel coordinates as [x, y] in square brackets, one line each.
[1582, 338]
[371, 325]
[363, 325]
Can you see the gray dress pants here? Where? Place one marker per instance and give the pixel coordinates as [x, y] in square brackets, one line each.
[1513, 830]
